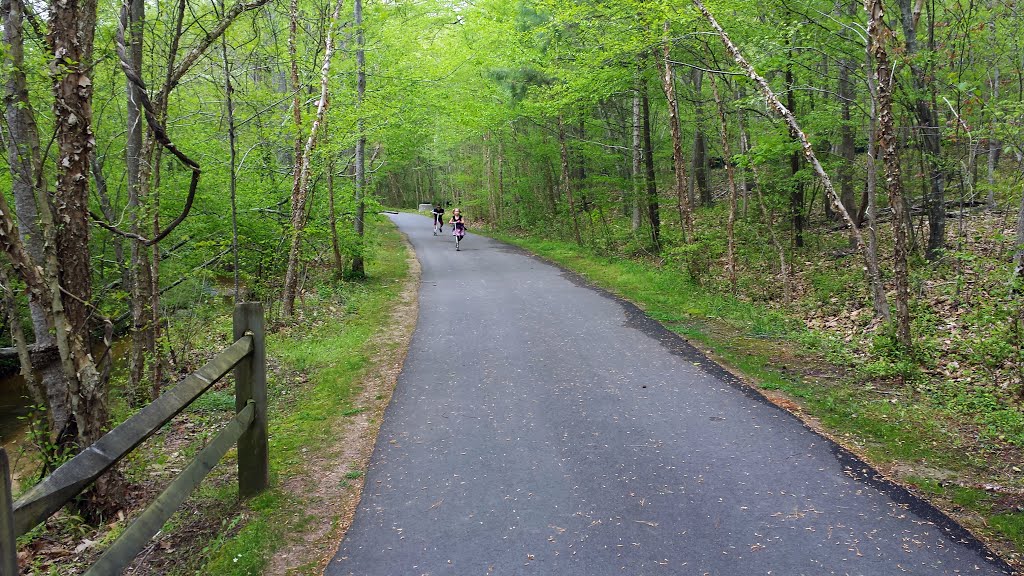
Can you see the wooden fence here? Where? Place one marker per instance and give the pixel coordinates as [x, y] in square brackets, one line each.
[248, 428]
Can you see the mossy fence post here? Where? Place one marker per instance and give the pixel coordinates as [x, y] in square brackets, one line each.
[8, 540]
[251, 383]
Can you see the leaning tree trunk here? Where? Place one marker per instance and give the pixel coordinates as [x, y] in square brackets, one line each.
[874, 275]
[299, 208]
[299, 200]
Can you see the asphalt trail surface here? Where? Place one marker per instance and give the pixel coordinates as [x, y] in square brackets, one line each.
[542, 426]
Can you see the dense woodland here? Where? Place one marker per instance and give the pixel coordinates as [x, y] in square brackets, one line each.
[858, 166]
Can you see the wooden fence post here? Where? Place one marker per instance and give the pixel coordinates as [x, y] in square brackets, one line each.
[8, 541]
[251, 383]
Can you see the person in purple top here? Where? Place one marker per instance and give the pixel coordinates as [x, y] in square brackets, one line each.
[458, 223]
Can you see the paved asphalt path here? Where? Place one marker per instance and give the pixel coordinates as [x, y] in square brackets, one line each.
[542, 426]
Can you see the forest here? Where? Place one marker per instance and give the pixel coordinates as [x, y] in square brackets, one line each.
[841, 176]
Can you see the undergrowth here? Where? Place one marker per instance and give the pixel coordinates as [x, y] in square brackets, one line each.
[315, 363]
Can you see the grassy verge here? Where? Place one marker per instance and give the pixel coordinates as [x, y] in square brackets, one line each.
[894, 426]
[319, 362]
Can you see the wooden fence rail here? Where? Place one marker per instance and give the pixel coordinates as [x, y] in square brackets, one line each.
[248, 428]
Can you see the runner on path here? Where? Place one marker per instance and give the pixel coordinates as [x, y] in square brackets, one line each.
[566, 433]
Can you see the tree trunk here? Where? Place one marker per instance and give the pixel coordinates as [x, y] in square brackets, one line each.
[492, 201]
[566, 182]
[501, 175]
[291, 279]
[233, 160]
[637, 154]
[887, 142]
[701, 167]
[1017, 280]
[25, 163]
[150, 190]
[796, 195]
[299, 200]
[107, 209]
[769, 219]
[847, 144]
[339, 263]
[931, 131]
[358, 268]
[879, 301]
[141, 279]
[746, 186]
[993, 141]
[72, 26]
[653, 213]
[678, 162]
[730, 174]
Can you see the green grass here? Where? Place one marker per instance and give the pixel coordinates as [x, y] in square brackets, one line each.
[1011, 525]
[667, 294]
[330, 351]
[214, 401]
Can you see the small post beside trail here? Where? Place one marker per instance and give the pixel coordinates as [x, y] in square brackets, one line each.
[251, 384]
[8, 539]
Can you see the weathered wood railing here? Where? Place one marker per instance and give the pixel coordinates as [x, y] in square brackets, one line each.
[248, 428]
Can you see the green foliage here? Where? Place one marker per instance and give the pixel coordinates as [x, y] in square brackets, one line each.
[890, 359]
[697, 257]
[214, 401]
[995, 415]
[831, 285]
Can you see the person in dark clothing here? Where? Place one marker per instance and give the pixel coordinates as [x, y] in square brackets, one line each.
[438, 219]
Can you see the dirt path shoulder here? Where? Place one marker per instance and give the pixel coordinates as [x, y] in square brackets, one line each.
[328, 493]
